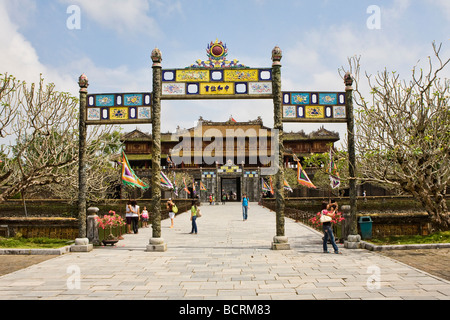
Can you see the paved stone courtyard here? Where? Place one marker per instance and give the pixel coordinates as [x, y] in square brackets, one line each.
[229, 259]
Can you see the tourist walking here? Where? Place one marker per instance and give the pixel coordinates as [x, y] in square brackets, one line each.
[128, 215]
[194, 211]
[170, 205]
[245, 207]
[329, 210]
[135, 214]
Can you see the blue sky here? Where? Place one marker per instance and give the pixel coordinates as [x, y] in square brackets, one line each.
[115, 39]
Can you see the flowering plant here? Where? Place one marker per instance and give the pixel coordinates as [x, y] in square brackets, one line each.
[110, 221]
[336, 219]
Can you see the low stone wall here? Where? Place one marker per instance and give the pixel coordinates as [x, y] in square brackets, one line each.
[399, 224]
[67, 228]
[383, 223]
[55, 228]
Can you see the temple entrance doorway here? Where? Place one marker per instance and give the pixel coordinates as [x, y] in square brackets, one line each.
[231, 187]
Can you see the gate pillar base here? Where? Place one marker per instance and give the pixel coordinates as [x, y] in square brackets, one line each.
[81, 245]
[156, 245]
[353, 242]
[280, 243]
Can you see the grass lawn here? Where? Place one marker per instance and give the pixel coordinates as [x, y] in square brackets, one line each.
[32, 243]
[438, 237]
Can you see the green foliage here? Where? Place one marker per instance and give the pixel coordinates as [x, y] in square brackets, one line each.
[32, 243]
[291, 177]
[321, 161]
[438, 237]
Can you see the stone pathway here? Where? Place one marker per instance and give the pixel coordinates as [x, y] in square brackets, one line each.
[434, 261]
[229, 259]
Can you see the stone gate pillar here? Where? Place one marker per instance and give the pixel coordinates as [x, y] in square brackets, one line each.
[156, 243]
[83, 82]
[82, 242]
[280, 241]
[350, 222]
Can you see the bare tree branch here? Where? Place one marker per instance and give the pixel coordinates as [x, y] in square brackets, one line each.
[403, 134]
[45, 155]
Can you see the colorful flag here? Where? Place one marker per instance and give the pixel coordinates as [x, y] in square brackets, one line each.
[271, 186]
[169, 161]
[335, 180]
[193, 187]
[128, 175]
[165, 182]
[303, 178]
[202, 186]
[185, 187]
[264, 185]
[287, 186]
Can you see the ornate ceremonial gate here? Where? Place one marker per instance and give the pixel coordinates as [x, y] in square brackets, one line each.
[215, 78]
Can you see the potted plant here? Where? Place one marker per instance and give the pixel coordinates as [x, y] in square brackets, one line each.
[118, 223]
[108, 222]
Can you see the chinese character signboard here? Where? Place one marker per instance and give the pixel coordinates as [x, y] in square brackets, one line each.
[114, 108]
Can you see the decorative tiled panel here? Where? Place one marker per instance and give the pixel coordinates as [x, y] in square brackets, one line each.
[229, 169]
[192, 75]
[173, 88]
[314, 106]
[241, 75]
[120, 108]
[190, 83]
[260, 88]
[209, 174]
[251, 174]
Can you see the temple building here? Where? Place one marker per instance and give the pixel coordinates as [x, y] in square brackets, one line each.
[224, 157]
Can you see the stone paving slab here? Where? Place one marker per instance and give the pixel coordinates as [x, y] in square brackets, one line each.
[229, 259]
[45, 252]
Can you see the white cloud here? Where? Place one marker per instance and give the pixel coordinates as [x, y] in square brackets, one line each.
[109, 80]
[443, 5]
[18, 56]
[123, 16]
[308, 62]
[396, 10]
[312, 64]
